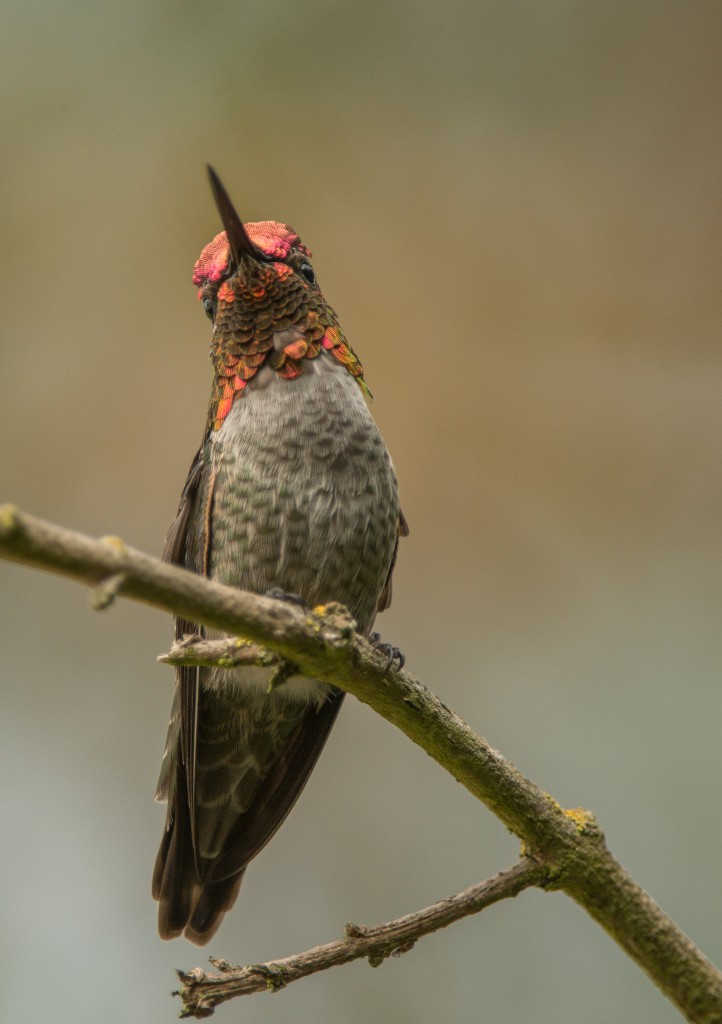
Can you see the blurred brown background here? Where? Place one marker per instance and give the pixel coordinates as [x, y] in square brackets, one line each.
[514, 209]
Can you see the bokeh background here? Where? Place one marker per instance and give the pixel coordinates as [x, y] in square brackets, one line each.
[515, 210]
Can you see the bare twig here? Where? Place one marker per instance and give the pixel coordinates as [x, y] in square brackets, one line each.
[323, 645]
[202, 991]
[230, 652]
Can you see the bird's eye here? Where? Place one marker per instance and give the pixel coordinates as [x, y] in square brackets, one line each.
[208, 306]
[307, 271]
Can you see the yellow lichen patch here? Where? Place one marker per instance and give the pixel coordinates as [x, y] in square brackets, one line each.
[115, 542]
[581, 818]
[320, 609]
[8, 517]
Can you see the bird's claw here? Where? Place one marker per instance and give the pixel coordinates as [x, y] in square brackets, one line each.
[281, 595]
[391, 653]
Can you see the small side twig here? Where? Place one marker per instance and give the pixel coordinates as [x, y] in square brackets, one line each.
[229, 652]
[202, 990]
[104, 595]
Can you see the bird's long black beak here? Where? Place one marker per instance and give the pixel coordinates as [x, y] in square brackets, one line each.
[238, 238]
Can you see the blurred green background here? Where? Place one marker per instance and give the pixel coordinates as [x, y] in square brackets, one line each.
[514, 209]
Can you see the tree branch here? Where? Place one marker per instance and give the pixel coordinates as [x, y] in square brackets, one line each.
[230, 652]
[322, 643]
[202, 991]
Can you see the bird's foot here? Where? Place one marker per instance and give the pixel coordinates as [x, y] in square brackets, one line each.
[282, 595]
[391, 653]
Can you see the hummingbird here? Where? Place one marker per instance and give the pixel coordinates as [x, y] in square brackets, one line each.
[293, 493]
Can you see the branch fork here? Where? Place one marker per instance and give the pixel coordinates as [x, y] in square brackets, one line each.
[565, 849]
